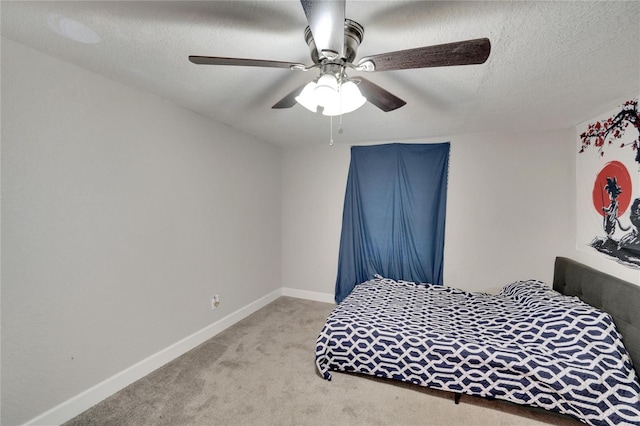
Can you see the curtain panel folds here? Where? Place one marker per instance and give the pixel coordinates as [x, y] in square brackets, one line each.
[394, 215]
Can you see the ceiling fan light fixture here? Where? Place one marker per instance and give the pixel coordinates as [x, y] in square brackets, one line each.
[326, 90]
[349, 100]
[307, 98]
[352, 99]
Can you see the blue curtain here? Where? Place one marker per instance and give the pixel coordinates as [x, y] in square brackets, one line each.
[394, 214]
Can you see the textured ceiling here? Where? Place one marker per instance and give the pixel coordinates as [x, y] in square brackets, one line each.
[552, 64]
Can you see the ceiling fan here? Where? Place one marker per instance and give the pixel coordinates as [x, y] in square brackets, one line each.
[334, 42]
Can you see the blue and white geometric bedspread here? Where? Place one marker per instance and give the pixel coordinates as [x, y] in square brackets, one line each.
[528, 345]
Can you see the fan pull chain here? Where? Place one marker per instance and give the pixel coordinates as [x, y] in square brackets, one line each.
[340, 88]
[331, 131]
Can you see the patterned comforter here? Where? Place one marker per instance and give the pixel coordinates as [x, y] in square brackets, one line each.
[528, 345]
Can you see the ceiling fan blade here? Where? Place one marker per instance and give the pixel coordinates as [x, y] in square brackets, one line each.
[378, 96]
[443, 55]
[216, 60]
[326, 22]
[289, 100]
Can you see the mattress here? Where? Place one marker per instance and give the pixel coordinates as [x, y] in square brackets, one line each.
[528, 344]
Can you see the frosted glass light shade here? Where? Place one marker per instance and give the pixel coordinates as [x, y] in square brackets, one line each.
[326, 90]
[307, 98]
[349, 100]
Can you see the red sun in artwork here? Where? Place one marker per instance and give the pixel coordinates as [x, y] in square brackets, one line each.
[614, 169]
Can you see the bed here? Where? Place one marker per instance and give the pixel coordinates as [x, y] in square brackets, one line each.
[560, 350]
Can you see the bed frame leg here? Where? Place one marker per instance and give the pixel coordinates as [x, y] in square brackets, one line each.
[456, 398]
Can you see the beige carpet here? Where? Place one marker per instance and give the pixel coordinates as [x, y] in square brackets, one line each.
[261, 371]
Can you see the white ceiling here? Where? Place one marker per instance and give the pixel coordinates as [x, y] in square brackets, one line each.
[552, 64]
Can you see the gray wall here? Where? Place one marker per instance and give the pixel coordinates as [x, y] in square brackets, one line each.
[511, 210]
[509, 198]
[122, 215]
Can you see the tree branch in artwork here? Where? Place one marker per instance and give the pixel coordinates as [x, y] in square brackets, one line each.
[603, 133]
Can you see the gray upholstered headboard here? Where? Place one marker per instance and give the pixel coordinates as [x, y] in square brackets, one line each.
[617, 297]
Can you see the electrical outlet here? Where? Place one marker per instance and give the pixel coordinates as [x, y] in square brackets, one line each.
[215, 302]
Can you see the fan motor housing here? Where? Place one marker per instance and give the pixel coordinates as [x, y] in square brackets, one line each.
[353, 36]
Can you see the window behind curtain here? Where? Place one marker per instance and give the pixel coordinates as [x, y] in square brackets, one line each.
[394, 214]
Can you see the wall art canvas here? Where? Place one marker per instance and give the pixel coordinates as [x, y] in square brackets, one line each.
[608, 184]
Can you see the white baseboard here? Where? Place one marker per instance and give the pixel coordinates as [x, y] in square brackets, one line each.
[87, 399]
[309, 295]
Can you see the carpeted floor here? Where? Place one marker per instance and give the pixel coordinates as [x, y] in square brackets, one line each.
[261, 371]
